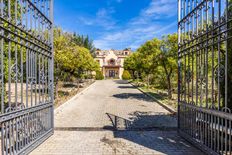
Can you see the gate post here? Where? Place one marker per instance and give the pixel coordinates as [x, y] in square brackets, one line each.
[179, 32]
[52, 66]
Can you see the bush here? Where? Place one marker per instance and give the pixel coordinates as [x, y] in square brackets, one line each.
[99, 75]
[126, 75]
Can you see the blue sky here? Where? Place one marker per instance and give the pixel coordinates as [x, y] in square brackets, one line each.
[117, 24]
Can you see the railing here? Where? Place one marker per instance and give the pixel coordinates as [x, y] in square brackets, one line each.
[109, 64]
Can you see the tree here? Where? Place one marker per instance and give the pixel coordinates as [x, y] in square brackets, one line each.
[168, 58]
[147, 59]
[71, 59]
[126, 75]
[99, 75]
[84, 41]
[155, 62]
[130, 64]
[75, 60]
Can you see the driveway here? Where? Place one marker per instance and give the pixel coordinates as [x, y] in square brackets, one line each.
[113, 117]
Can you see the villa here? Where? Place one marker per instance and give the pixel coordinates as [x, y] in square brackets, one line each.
[112, 62]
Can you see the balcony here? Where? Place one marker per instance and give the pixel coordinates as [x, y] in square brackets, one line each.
[118, 64]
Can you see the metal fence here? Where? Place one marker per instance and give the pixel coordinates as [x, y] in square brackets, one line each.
[26, 74]
[205, 74]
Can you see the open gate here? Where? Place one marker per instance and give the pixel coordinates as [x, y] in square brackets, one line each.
[205, 74]
[26, 74]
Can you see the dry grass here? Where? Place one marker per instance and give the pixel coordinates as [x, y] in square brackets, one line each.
[67, 90]
[161, 95]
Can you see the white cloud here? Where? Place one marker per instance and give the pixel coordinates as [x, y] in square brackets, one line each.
[102, 18]
[151, 22]
[130, 37]
[161, 7]
[105, 13]
[157, 10]
[151, 34]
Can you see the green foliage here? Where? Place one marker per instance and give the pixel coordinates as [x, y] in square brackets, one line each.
[126, 75]
[131, 64]
[168, 59]
[99, 75]
[148, 56]
[155, 62]
[71, 59]
[84, 41]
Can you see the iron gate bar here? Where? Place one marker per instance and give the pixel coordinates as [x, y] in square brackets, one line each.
[204, 108]
[9, 116]
[26, 77]
[208, 111]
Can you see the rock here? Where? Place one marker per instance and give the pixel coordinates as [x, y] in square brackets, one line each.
[82, 85]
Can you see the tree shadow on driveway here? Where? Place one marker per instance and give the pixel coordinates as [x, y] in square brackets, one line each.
[153, 131]
[121, 81]
[143, 121]
[138, 96]
[126, 87]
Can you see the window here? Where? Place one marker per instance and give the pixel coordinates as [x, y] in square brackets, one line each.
[112, 62]
[126, 53]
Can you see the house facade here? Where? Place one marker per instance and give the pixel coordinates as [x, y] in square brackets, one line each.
[112, 62]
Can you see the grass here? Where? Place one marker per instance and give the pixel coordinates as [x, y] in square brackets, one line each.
[67, 91]
[160, 95]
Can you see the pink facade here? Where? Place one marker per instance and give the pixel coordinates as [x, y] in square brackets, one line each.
[112, 62]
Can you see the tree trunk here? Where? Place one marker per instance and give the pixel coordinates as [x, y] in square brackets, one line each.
[168, 76]
[78, 84]
[148, 81]
[169, 87]
[57, 83]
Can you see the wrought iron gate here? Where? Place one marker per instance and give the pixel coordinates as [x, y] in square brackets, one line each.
[205, 74]
[26, 74]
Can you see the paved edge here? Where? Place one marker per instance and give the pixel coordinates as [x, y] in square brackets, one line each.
[168, 108]
[115, 129]
[73, 98]
[173, 111]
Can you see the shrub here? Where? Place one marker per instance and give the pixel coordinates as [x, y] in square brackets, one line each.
[99, 75]
[126, 75]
